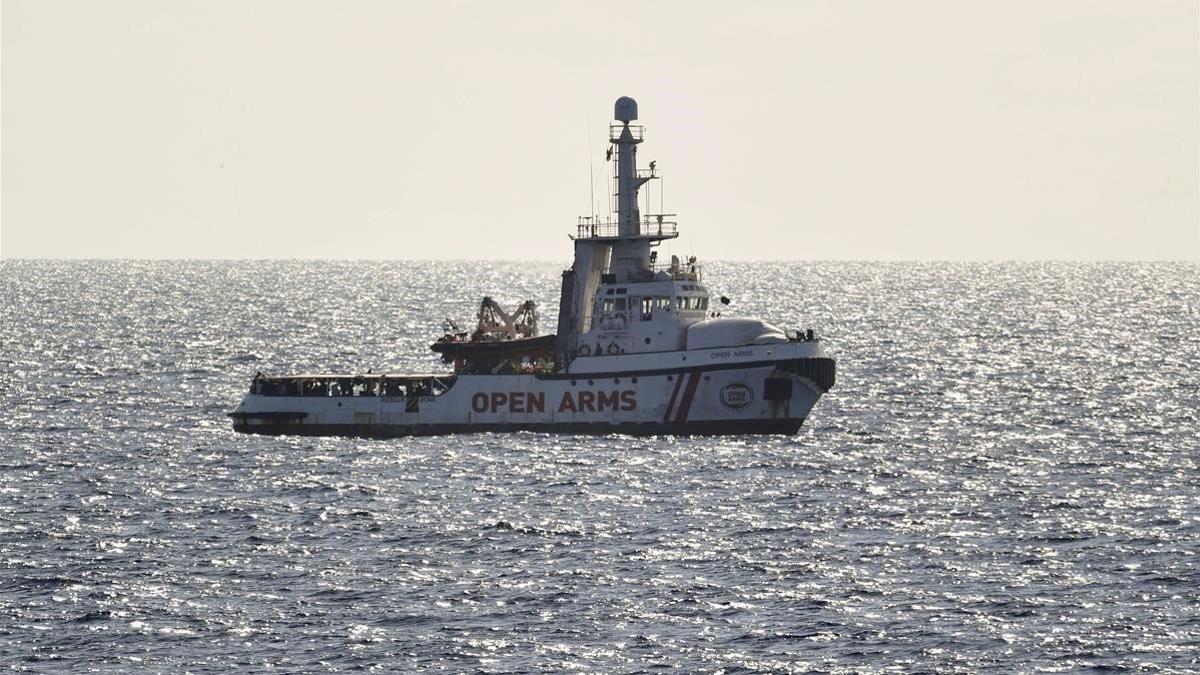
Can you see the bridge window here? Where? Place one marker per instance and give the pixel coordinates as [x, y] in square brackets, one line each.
[690, 302]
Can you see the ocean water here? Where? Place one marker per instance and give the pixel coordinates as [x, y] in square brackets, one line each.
[1003, 480]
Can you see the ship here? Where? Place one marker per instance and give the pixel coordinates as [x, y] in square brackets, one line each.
[641, 347]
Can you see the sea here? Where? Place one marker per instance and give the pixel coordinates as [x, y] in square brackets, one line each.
[1003, 480]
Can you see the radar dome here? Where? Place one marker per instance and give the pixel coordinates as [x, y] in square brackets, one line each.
[625, 109]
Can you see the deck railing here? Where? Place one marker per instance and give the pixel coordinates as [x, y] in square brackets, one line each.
[683, 271]
[636, 130]
[655, 225]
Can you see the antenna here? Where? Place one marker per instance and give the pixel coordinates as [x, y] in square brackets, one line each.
[591, 172]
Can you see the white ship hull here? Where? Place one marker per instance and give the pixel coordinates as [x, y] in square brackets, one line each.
[737, 390]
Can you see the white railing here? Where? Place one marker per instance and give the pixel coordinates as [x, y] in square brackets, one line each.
[635, 130]
[683, 271]
[655, 225]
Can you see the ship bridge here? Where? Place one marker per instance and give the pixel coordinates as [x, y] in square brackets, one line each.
[618, 249]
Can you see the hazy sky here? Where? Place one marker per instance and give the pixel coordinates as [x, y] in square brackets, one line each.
[785, 130]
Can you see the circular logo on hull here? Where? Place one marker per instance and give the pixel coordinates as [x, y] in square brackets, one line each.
[736, 395]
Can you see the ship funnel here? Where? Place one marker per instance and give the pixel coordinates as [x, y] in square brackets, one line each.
[625, 109]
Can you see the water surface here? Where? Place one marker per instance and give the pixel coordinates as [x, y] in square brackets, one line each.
[1004, 479]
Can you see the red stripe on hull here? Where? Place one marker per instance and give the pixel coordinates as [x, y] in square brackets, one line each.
[674, 395]
[686, 404]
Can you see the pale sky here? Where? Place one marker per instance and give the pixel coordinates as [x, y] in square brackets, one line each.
[877, 130]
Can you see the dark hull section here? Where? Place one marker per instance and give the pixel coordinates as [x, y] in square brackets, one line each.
[698, 428]
[495, 347]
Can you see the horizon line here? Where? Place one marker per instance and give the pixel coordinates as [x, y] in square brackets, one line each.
[553, 260]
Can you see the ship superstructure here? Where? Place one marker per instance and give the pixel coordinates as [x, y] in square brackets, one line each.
[640, 348]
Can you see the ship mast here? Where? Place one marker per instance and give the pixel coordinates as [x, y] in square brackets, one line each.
[634, 236]
[628, 181]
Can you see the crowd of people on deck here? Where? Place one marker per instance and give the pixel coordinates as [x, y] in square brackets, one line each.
[340, 386]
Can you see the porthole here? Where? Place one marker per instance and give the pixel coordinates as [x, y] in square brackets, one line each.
[633, 380]
[647, 340]
[591, 382]
[616, 380]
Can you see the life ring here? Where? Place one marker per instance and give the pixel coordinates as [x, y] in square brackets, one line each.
[585, 350]
[614, 348]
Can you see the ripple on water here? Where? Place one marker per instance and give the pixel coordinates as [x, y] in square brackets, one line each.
[1003, 480]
